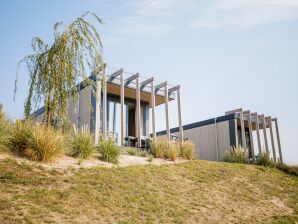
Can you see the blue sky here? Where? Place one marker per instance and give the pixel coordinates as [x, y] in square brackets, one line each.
[225, 54]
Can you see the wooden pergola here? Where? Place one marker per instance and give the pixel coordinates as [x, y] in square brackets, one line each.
[257, 122]
[139, 86]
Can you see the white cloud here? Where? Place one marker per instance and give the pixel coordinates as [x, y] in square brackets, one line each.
[245, 13]
[219, 13]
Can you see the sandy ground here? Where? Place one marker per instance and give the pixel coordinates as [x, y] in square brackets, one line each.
[67, 162]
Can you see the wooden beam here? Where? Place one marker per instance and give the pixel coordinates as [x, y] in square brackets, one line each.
[265, 132]
[105, 103]
[243, 139]
[272, 138]
[167, 111]
[234, 111]
[115, 75]
[122, 106]
[252, 147]
[173, 89]
[145, 83]
[97, 108]
[138, 111]
[153, 111]
[131, 78]
[159, 86]
[258, 132]
[278, 140]
[180, 115]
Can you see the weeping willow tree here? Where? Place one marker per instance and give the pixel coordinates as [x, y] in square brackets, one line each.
[54, 70]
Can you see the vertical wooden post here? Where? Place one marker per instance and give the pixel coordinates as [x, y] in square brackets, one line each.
[278, 141]
[265, 133]
[242, 130]
[153, 110]
[167, 111]
[122, 106]
[251, 137]
[180, 115]
[138, 111]
[97, 108]
[258, 133]
[272, 139]
[104, 116]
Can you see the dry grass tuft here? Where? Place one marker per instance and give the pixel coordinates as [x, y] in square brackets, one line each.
[187, 150]
[36, 142]
[109, 151]
[236, 155]
[82, 143]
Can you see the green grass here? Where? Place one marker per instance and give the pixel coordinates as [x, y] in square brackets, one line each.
[190, 192]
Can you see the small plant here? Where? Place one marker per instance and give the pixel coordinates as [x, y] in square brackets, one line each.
[159, 147]
[235, 155]
[264, 159]
[4, 131]
[109, 151]
[132, 151]
[82, 145]
[172, 151]
[35, 141]
[20, 137]
[150, 158]
[187, 150]
[45, 145]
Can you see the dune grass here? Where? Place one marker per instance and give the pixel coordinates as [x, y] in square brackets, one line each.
[182, 193]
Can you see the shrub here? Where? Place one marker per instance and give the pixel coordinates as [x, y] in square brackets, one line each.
[172, 151]
[263, 159]
[159, 147]
[187, 150]
[109, 151]
[292, 170]
[82, 144]
[35, 141]
[4, 131]
[46, 145]
[20, 136]
[131, 151]
[235, 155]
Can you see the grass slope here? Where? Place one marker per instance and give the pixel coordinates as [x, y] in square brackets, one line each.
[191, 192]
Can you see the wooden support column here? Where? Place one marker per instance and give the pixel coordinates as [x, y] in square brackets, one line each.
[167, 111]
[104, 116]
[138, 110]
[272, 139]
[242, 130]
[258, 133]
[171, 90]
[265, 133]
[122, 106]
[153, 111]
[252, 148]
[97, 108]
[278, 140]
[180, 115]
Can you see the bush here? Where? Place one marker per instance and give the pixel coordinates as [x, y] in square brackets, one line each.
[46, 145]
[292, 170]
[264, 159]
[159, 147]
[20, 137]
[172, 151]
[235, 155]
[109, 151]
[36, 142]
[82, 144]
[187, 150]
[165, 149]
[4, 131]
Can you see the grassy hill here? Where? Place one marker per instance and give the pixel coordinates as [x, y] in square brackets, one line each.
[190, 192]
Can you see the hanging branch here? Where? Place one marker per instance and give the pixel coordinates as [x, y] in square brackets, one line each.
[55, 70]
